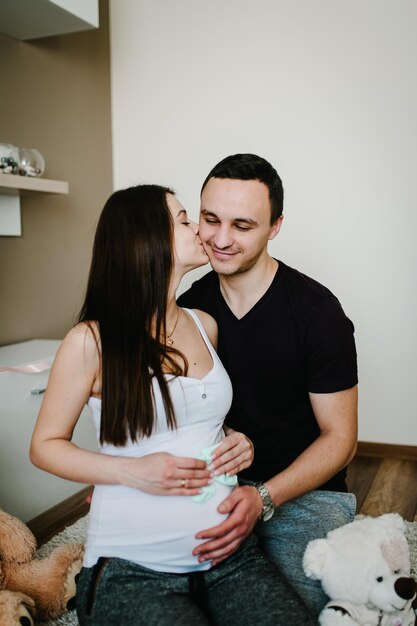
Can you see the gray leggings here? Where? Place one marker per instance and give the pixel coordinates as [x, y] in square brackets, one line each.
[244, 590]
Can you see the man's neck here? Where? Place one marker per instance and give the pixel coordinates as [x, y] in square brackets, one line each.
[242, 291]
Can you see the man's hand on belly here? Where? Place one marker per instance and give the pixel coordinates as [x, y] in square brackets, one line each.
[244, 507]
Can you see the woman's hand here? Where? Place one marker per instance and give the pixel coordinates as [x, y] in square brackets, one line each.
[233, 455]
[164, 474]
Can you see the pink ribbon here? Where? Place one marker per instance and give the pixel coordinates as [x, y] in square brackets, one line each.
[31, 368]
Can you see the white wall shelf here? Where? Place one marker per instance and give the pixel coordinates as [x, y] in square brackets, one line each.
[30, 183]
[34, 19]
[11, 187]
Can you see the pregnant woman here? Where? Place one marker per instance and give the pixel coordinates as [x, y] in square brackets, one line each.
[158, 395]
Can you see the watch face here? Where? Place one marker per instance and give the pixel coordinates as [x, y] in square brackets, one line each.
[268, 514]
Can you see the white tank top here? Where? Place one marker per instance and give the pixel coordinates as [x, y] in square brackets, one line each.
[158, 532]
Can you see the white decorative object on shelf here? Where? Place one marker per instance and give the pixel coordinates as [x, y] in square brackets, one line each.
[31, 163]
[9, 158]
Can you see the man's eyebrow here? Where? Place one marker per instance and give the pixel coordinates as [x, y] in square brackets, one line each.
[246, 220]
[241, 220]
[206, 212]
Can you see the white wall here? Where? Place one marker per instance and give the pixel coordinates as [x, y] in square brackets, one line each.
[327, 91]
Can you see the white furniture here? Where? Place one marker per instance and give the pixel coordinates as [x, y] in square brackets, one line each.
[26, 491]
[11, 186]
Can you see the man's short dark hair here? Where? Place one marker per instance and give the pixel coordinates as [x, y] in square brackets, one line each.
[252, 167]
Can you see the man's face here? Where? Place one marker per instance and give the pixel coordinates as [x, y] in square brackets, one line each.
[235, 224]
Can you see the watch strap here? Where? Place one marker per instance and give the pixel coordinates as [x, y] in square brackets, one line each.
[268, 506]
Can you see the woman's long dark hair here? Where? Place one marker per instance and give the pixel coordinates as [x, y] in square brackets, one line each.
[127, 296]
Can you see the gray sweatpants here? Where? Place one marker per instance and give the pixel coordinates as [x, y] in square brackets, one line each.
[244, 590]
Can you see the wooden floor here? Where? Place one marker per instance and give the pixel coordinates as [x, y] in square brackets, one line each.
[52, 521]
[384, 485]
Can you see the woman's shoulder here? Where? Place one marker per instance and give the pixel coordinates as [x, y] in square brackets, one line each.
[85, 333]
[84, 340]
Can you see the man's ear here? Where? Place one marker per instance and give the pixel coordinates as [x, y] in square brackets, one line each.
[275, 228]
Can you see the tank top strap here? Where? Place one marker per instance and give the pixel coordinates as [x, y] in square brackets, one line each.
[203, 333]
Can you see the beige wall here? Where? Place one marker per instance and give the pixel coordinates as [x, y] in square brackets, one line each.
[326, 91]
[55, 96]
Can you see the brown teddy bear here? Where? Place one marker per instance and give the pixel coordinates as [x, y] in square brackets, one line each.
[42, 588]
[16, 609]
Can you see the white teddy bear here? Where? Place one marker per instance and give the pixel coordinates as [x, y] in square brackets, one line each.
[364, 567]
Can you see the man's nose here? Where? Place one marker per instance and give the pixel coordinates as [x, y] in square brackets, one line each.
[222, 238]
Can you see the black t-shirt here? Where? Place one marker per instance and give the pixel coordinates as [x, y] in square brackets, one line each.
[295, 340]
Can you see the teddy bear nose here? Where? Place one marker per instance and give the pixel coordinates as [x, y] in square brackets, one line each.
[405, 588]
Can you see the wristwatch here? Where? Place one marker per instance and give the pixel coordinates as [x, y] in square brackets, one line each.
[268, 507]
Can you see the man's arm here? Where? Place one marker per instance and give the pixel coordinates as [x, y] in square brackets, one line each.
[336, 415]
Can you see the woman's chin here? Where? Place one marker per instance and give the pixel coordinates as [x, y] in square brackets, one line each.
[204, 259]
[200, 263]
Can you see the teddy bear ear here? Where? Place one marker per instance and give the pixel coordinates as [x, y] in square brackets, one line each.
[396, 553]
[315, 558]
[394, 520]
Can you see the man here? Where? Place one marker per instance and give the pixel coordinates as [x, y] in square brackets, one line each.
[289, 350]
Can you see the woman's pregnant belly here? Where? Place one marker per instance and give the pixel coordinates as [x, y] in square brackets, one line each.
[157, 532]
